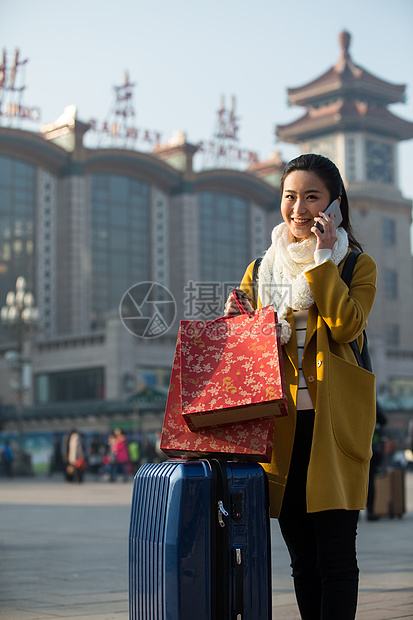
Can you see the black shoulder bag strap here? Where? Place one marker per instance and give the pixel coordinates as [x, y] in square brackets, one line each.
[255, 278]
[363, 358]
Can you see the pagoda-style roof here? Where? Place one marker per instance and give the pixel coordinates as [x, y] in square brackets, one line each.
[346, 97]
[344, 115]
[347, 80]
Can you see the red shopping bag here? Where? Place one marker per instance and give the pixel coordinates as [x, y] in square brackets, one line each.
[232, 370]
[251, 441]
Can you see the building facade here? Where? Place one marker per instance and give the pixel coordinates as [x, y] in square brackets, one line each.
[85, 226]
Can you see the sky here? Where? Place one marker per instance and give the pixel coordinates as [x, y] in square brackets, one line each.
[184, 55]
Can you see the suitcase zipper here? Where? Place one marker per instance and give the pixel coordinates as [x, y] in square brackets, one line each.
[221, 512]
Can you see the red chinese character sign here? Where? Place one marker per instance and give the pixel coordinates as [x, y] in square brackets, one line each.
[223, 151]
[119, 130]
[12, 88]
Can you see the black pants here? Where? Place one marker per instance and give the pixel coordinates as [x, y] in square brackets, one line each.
[322, 545]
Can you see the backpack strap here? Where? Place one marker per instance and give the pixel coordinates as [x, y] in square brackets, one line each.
[348, 268]
[363, 357]
[255, 269]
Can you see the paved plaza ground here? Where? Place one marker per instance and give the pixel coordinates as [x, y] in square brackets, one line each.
[64, 554]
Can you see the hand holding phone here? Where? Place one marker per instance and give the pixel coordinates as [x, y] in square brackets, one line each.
[333, 210]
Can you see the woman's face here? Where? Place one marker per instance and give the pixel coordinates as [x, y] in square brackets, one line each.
[304, 196]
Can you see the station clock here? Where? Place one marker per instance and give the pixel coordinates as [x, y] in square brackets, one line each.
[379, 161]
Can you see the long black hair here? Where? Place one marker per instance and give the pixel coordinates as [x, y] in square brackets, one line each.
[328, 172]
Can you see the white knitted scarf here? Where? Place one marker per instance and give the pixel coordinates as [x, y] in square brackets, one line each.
[282, 282]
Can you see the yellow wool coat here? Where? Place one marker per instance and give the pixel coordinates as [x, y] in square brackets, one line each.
[343, 394]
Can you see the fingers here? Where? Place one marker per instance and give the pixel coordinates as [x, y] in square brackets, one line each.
[327, 238]
[248, 307]
[325, 220]
[232, 310]
[231, 307]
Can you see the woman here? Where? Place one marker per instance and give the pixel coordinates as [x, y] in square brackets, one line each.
[318, 475]
[119, 447]
[74, 456]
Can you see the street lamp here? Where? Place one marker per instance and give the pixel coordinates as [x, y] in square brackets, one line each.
[19, 313]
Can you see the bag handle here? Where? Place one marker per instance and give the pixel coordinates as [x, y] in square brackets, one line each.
[255, 269]
[239, 304]
[225, 318]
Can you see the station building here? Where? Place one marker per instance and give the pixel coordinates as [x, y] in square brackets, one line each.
[84, 225]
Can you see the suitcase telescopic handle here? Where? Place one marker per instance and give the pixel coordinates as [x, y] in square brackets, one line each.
[238, 584]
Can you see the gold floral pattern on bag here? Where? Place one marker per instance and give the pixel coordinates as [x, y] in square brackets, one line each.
[251, 441]
[238, 366]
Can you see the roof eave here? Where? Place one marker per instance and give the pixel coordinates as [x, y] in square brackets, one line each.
[306, 128]
[339, 89]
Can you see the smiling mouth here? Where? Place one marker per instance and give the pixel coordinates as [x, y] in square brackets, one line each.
[300, 221]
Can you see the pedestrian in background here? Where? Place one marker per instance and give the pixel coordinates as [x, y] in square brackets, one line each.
[108, 460]
[74, 456]
[148, 452]
[318, 475]
[7, 458]
[56, 458]
[95, 456]
[134, 455]
[120, 452]
[376, 463]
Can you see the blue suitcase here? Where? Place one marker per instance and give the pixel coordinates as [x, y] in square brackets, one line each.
[199, 542]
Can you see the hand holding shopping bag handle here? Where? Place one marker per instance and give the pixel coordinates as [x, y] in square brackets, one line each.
[237, 303]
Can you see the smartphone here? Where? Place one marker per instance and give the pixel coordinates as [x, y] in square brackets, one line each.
[333, 210]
